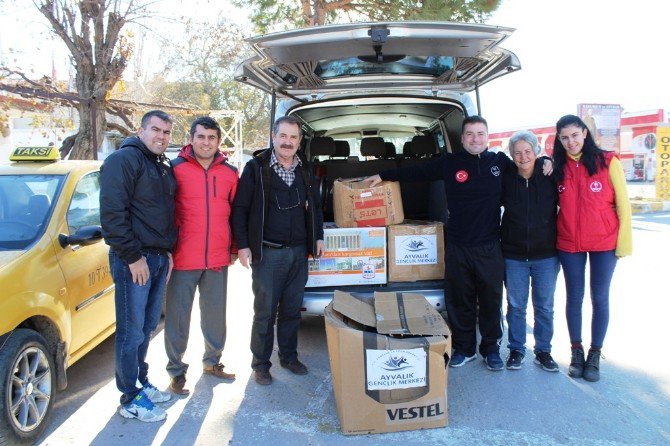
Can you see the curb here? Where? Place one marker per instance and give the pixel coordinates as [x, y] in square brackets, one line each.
[649, 207]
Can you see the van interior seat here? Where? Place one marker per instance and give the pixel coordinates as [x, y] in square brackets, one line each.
[422, 146]
[321, 146]
[370, 147]
[390, 150]
[422, 200]
[340, 165]
[374, 147]
[406, 149]
[342, 150]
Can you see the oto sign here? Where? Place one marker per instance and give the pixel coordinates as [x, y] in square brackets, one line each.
[663, 163]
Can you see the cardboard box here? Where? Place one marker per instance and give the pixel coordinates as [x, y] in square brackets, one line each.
[353, 256]
[355, 205]
[416, 251]
[394, 379]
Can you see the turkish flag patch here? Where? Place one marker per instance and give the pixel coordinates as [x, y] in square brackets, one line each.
[461, 176]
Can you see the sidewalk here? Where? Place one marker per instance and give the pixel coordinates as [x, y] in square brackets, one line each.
[643, 198]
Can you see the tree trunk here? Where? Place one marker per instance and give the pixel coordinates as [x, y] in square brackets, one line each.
[92, 125]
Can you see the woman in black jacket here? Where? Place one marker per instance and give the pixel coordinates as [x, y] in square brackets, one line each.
[528, 234]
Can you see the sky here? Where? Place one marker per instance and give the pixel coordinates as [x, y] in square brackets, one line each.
[579, 51]
[571, 51]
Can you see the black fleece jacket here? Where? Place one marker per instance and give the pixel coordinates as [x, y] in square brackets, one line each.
[250, 206]
[529, 221]
[137, 190]
[473, 184]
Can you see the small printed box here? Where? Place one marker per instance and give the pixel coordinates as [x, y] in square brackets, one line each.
[416, 251]
[353, 256]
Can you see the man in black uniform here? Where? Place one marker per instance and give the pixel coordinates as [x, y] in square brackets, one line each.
[473, 257]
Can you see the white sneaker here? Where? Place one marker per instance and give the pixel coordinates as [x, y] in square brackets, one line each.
[143, 409]
[155, 395]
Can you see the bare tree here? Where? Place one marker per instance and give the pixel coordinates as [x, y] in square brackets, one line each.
[91, 30]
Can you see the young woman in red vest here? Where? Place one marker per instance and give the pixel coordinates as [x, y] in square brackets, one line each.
[594, 221]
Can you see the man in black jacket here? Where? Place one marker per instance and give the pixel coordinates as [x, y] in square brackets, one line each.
[137, 189]
[277, 221]
[528, 234]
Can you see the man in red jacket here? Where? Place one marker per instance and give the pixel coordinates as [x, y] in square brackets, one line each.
[206, 186]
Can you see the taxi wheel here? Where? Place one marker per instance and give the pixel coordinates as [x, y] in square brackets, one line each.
[27, 386]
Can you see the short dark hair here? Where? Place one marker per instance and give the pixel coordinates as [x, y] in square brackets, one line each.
[473, 120]
[286, 120]
[160, 114]
[208, 123]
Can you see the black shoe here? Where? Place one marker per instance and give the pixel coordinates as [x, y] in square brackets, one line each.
[295, 366]
[263, 377]
[514, 360]
[545, 360]
[459, 359]
[494, 362]
[592, 367]
[576, 369]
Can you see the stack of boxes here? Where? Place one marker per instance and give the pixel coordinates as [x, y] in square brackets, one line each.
[370, 243]
[387, 353]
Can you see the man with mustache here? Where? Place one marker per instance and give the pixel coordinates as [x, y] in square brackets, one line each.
[277, 221]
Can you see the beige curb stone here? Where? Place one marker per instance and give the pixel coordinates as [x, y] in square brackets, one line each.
[649, 206]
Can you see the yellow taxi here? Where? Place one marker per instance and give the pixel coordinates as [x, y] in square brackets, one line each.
[57, 298]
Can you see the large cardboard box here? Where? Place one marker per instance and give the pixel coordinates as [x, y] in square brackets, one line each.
[416, 251]
[353, 256]
[394, 379]
[356, 205]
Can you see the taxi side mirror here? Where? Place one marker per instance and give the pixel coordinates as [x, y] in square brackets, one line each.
[86, 235]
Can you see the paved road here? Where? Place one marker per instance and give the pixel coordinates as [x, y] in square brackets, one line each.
[630, 405]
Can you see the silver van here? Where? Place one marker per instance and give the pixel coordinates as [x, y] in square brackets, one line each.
[373, 96]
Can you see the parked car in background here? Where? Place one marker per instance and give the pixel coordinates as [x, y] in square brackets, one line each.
[374, 96]
[57, 298]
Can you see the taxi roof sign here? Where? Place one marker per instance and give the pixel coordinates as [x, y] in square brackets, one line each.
[50, 153]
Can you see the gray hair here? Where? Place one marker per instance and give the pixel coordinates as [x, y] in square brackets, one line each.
[286, 120]
[523, 135]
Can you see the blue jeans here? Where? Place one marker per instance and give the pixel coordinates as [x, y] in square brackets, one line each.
[138, 310]
[541, 275]
[278, 283]
[602, 266]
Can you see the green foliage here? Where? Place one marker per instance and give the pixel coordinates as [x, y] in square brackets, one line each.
[255, 106]
[274, 15]
[266, 13]
[204, 63]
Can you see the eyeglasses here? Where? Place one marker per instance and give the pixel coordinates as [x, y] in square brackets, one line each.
[286, 208]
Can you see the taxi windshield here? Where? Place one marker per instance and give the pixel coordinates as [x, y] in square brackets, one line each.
[26, 202]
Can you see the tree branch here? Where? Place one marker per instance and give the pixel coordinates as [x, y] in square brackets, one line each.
[121, 129]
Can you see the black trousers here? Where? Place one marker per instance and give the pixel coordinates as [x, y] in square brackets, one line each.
[473, 288]
[278, 283]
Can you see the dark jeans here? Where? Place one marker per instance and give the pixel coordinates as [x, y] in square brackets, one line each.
[212, 287]
[473, 289]
[138, 310]
[278, 283]
[519, 274]
[602, 266]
